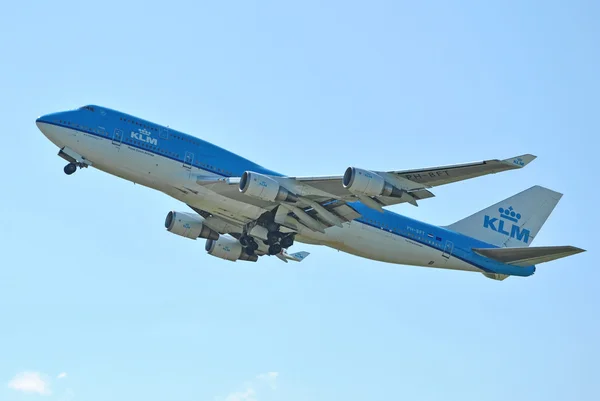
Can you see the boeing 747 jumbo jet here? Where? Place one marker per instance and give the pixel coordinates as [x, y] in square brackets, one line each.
[245, 211]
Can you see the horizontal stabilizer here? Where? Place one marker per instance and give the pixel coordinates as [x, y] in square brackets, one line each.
[527, 256]
[296, 257]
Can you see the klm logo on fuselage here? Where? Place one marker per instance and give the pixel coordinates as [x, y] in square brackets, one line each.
[501, 225]
[143, 135]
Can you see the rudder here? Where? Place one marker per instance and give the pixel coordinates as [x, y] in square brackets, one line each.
[513, 222]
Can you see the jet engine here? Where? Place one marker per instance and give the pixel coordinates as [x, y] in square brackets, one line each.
[265, 188]
[368, 183]
[228, 248]
[189, 225]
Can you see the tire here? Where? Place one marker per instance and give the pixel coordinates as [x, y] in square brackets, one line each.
[273, 238]
[274, 249]
[70, 168]
[244, 240]
[252, 245]
[286, 242]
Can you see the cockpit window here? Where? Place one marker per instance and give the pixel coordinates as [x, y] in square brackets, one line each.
[90, 108]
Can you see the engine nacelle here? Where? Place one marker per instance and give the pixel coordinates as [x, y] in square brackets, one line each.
[228, 248]
[364, 182]
[265, 188]
[189, 225]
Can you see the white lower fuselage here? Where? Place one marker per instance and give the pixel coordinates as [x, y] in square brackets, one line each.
[178, 180]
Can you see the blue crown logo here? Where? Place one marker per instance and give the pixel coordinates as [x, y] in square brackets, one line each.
[509, 214]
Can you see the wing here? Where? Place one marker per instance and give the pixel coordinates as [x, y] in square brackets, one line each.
[315, 203]
[416, 182]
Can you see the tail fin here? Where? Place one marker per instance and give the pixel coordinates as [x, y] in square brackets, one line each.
[514, 222]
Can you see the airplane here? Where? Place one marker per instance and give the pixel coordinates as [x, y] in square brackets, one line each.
[245, 211]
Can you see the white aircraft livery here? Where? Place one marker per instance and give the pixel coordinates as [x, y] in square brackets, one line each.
[245, 211]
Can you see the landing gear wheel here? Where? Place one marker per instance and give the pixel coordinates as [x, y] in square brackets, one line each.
[245, 240]
[252, 245]
[273, 238]
[274, 249]
[286, 242]
[70, 168]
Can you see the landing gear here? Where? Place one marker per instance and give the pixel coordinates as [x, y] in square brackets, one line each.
[273, 237]
[272, 226]
[245, 240]
[75, 160]
[287, 241]
[274, 249]
[268, 231]
[277, 241]
[250, 246]
[70, 168]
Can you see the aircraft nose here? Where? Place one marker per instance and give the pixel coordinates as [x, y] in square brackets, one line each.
[41, 120]
[47, 126]
[38, 122]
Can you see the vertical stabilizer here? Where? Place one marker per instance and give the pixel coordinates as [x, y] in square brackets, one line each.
[514, 222]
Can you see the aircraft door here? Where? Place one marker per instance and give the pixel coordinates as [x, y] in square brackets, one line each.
[117, 137]
[188, 160]
[448, 249]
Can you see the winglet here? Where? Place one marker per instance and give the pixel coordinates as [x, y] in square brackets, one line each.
[520, 161]
[296, 257]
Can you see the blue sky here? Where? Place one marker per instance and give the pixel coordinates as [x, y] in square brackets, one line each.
[99, 302]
